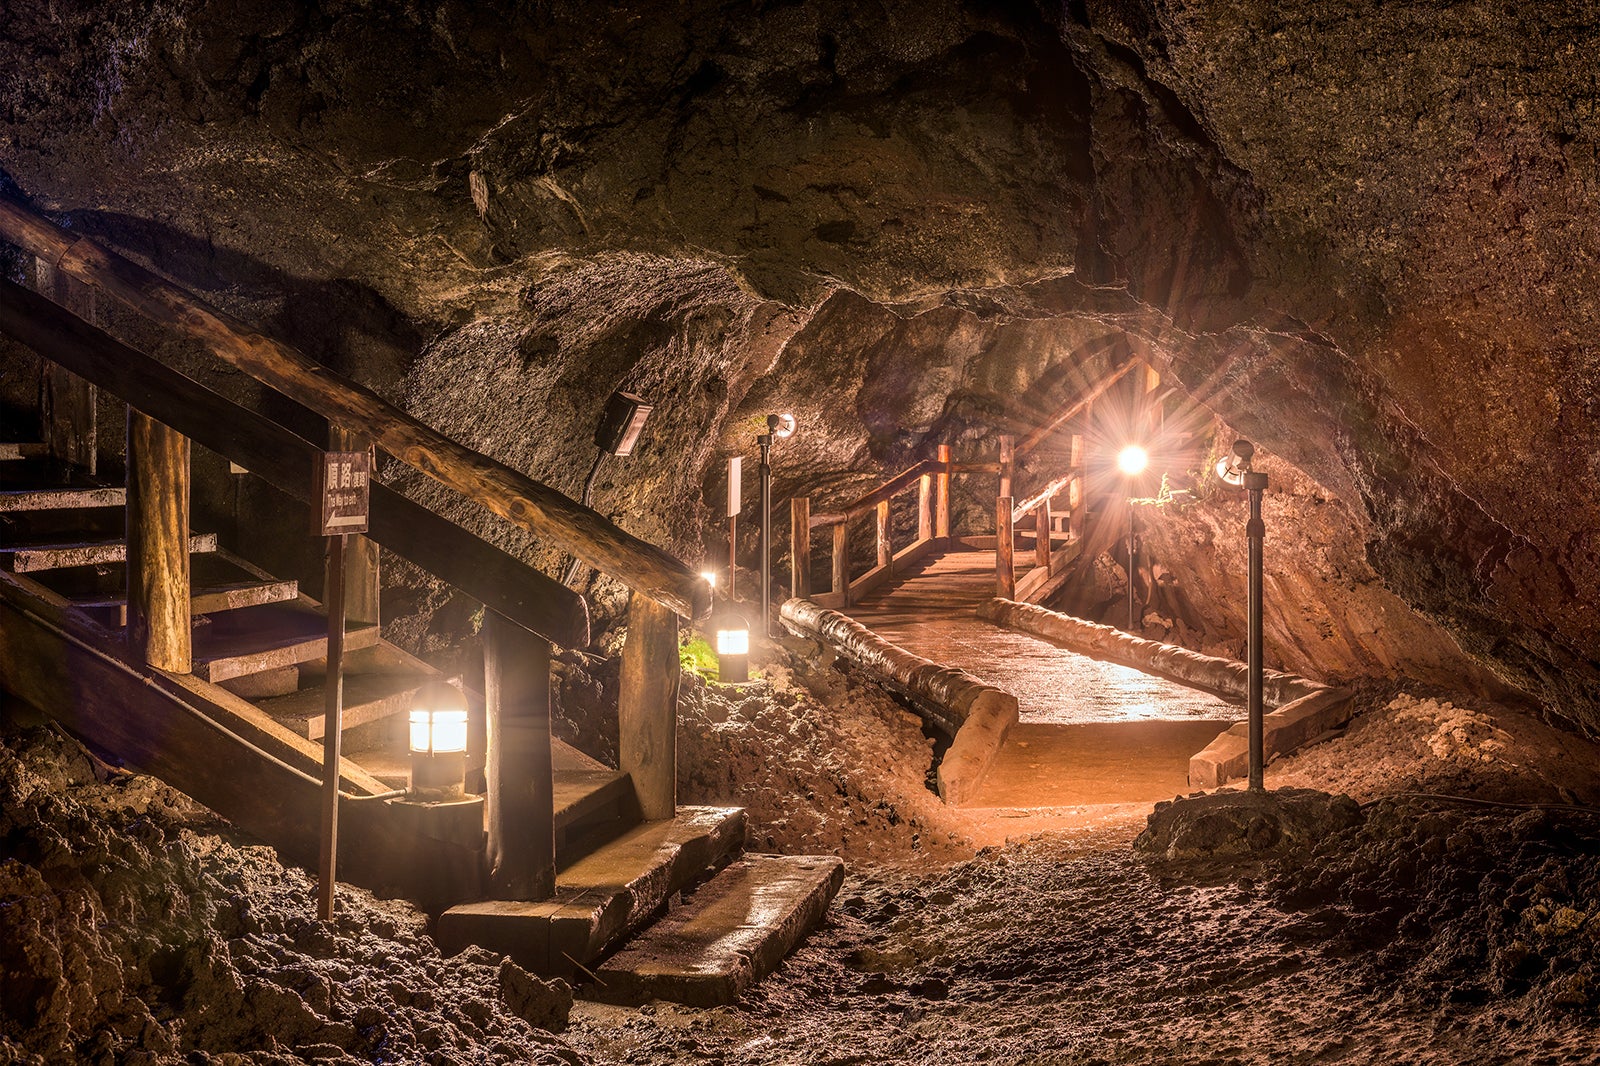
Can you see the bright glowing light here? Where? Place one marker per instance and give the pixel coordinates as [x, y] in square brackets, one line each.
[435, 732]
[1132, 460]
[733, 642]
[711, 578]
[782, 426]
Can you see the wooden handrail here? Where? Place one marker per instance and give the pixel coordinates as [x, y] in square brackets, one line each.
[1049, 492]
[893, 487]
[519, 499]
[284, 460]
[1070, 410]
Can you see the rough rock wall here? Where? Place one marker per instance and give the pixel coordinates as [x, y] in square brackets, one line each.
[1362, 235]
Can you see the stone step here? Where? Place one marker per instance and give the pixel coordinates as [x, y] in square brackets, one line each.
[26, 558]
[732, 932]
[210, 599]
[11, 450]
[269, 637]
[62, 499]
[601, 898]
[367, 698]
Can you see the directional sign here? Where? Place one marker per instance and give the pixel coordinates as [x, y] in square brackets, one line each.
[343, 492]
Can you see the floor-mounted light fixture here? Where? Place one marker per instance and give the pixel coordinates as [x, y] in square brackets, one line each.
[1132, 461]
[621, 422]
[779, 427]
[733, 649]
[1236, 469]
[438, 739]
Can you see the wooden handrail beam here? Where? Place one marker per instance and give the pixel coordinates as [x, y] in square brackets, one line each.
[893, 487]
[513, 496]
[1049, 492]
[284, 460]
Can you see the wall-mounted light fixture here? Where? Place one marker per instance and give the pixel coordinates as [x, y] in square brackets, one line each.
[438, 738]
[621, 421]
[1237, 469]
[779, 427]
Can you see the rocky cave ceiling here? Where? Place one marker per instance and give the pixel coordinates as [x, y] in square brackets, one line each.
[1362, 233]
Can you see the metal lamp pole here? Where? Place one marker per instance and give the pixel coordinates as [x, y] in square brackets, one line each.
[1132, 568]
[1255, 532]
[765, 440]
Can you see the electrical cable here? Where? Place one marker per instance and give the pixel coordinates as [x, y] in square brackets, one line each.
[118, 664]
[1473, 801]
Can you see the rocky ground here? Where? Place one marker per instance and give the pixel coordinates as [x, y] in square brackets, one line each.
[1383, 927]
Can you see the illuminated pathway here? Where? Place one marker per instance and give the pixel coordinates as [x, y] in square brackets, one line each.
[1090, 731]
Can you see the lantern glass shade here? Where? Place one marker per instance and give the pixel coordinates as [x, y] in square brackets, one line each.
[733, 642]
[438, 732]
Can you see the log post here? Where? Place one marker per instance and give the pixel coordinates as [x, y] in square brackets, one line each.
[885, 548]
[1041, 535]
[941, 496]
[924, 508]
[841, 560]
[66, 401]
[360, 553]
[158, 544]
[647, 707]
[800, 546]
[1076, 503]
[1008, 462]
[1005, 573]
[521, 800]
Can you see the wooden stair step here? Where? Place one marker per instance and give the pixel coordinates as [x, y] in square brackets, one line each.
[732, 932]
[367, 698]
[602, 897]
[13, 450]
[62, 499]
[211, 599]
[269, 637]
[25, 558]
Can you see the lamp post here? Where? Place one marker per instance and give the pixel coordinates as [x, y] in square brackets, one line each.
[778, 428]
[1236, 469]
[1132, 461]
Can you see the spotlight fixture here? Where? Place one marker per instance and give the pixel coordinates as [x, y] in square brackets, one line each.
[1132, 460]
[1233, 467]
[781, 426]
[617, 432]
[438, 739]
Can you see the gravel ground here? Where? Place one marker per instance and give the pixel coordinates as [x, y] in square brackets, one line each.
[134, 927]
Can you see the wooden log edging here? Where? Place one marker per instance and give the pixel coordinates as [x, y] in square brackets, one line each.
[1299, 710]
[976, 714]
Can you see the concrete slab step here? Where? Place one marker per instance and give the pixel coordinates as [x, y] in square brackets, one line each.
[601, 898]
[62, 499]
[367, 698]
[12, 450]
[25, 558]
[275, 635]
[732, 932]
[210, 599]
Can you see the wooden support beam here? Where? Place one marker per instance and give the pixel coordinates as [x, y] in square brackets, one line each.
[514, 496]
[924, 508]
[1005, 571]
[1041, 535]
[841, 561]
[283, 459]
[158, 544]
[647, 707]
[1008, 463]
[885, 549]
[941, 495]
[521, 799]
[361, 581]
[800, 546]
[1077, 503]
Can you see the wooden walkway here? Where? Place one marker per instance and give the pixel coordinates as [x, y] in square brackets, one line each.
[1090, 732]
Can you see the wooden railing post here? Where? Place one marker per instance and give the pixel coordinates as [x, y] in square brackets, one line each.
[841, 560]
[885, 549]
[647, 707]
[1008, 462]
[158, 544]
[941, 496]
[1076, 502]
[1005, 573]
[1041, 536]
[521, 801]
[924, 508]
[800, 546]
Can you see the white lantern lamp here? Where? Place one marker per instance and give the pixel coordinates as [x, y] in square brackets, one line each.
[733, 649]
[438, 739]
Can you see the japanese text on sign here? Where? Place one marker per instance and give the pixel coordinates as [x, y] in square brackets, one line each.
[343, 491]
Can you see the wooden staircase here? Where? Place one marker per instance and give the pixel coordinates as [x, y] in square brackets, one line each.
[234, 725]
